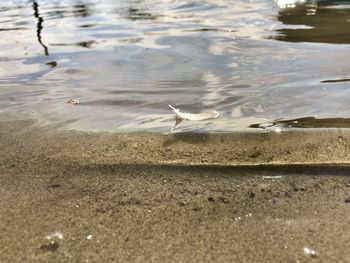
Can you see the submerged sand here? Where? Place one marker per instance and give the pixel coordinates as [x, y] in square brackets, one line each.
[145, 197]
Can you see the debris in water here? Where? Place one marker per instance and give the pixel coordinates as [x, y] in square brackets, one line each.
[89, 237]
[195, 116]
[73, 101]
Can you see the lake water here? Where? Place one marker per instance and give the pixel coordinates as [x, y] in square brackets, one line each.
[281, 64]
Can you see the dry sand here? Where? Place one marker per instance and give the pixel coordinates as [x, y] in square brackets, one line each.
[146, 197]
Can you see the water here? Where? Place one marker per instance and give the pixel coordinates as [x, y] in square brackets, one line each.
[255, 62]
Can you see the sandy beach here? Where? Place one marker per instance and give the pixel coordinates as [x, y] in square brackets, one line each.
[144, 197]
[174, 131]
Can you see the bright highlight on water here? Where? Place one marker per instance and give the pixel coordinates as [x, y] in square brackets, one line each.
[254, 62]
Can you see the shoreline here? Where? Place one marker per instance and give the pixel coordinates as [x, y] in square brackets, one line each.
[144, 197]
[22, 139]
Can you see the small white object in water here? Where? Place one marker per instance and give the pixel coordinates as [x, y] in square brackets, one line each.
[195, 117]
[89, 237]
[309, 251]
[73, 101]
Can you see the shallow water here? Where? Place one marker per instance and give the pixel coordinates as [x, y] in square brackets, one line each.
[258, 63]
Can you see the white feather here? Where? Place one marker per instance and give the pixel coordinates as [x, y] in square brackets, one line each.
[195, 116]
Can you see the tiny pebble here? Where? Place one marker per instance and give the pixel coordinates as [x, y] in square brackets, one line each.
[309, 251]
[56, 234]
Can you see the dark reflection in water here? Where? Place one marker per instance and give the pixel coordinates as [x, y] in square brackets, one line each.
[39, 26]
[137, 14]
[63, 10]
[52, 64]
[328, 22]
[12, 29]
[306, 122]
[85, 44]
[336, 80]
[81, 10]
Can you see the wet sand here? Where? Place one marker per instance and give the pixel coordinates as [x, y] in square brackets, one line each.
[146, 197]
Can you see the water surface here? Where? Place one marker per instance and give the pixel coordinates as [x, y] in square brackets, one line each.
[255, 62]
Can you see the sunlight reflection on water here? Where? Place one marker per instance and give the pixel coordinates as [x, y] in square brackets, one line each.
[125, 61]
